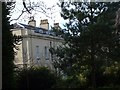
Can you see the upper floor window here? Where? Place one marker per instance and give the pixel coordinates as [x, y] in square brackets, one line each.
[37, 53]
[46, 53]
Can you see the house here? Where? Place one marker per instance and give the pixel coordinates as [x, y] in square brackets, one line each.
[35, 45]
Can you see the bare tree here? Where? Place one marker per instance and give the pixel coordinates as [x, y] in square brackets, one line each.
[29, 7]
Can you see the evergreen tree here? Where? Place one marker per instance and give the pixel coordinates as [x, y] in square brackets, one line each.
[90, 41]
[7, 48]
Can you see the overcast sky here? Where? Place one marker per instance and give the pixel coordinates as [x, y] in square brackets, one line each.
[37, 15]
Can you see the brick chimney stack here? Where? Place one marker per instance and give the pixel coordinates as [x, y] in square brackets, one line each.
[44, 24]
[32, 22]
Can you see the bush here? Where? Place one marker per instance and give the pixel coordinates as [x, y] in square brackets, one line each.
[40, 78]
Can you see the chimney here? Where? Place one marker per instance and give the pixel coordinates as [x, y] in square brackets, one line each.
[44, 24]
[32, 22]
[56, 26]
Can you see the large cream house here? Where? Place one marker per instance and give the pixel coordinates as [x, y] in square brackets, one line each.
[34, 48]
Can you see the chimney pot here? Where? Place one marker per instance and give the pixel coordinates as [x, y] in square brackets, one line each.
[32, 22]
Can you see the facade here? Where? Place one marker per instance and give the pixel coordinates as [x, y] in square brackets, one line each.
[34, 48]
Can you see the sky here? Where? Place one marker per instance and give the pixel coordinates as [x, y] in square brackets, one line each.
[55, 16]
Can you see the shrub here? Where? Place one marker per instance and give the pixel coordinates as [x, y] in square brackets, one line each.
[40, 78]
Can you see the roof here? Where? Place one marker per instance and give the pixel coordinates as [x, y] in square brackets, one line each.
[36, 29]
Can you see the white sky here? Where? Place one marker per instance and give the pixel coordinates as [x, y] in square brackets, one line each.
[37, 15]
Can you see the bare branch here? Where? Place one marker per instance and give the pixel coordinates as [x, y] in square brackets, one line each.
[39, 7]
[19, 15]
[24, 4]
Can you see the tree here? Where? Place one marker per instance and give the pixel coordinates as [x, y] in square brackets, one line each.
[90, 40]
[7, 48]
[32, 8]
[9, 42]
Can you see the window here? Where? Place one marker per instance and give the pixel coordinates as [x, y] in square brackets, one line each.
[46, 53]
[37, 53]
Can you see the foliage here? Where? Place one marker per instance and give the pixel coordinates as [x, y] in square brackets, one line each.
[39, 78]
[91, 44]
[7, 48]
[9, 42]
